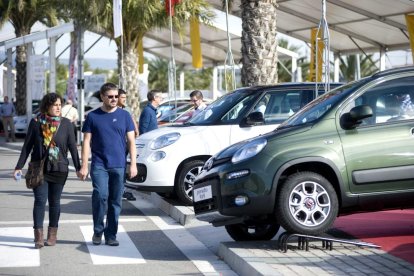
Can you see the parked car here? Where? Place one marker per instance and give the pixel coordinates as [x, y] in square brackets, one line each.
[350, 150]
[169, 158]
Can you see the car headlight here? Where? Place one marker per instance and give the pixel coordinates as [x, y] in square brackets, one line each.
[250, 149]
[165, 140]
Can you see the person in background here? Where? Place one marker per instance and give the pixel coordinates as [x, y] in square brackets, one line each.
[148, 118]
[70, 112]
[108, 132]
[52, 136]
[7, 112]
[122, 104]
[196, 98]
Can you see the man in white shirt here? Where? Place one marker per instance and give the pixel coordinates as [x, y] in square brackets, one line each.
[197, 99]
[70, 112]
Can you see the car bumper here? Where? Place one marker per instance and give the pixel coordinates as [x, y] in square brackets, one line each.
[153, 176]
[223, 205]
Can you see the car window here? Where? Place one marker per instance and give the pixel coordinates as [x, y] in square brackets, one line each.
[277, 106]
[219, 109]
[390, 101]
[234, 113]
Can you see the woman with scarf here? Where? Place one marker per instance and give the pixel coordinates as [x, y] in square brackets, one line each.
[49, 135]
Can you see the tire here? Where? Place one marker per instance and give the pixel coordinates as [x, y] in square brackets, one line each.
[307, 204]
[258, 232]
[185, 183]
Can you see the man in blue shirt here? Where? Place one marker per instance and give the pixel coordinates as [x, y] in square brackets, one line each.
[108, 132]
[7, 112]
[148, 118]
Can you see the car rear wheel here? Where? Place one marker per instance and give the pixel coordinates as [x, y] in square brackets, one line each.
[307, 204]
[184, 187]
[257, 232]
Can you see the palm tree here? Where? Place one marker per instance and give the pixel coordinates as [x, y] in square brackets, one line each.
[23, 14]
[259, 44]
[142, 16]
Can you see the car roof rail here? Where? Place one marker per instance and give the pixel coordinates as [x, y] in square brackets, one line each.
[393, 71]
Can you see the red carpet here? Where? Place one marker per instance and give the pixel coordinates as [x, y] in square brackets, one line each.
[392, 230]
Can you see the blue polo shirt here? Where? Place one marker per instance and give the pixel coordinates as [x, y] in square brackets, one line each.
[109, 130]
[148, 119]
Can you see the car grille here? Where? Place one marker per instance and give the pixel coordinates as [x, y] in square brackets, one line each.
[209, 204]
[142, 174]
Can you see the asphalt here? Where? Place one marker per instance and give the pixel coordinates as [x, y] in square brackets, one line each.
[266, 258]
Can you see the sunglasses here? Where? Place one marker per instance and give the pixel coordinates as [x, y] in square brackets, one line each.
[112, 96]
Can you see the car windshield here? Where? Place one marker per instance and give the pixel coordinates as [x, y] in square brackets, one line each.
[321, 105]
[216, 110]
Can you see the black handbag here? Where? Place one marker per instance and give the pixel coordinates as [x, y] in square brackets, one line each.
[34, 175]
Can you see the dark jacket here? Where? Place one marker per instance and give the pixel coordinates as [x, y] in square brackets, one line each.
[64, 139]
[148, 119]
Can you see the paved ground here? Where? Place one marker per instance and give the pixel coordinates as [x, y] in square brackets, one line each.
[251, 258]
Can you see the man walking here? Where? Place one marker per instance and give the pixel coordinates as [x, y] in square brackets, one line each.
[7, 112]
[108, 132]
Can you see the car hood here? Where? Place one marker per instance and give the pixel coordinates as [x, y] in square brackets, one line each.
[183, 130]
[276, 134]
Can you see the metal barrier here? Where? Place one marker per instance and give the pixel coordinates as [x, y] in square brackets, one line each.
[327, 242]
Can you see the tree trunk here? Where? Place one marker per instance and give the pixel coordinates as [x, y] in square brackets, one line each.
[131, 79]
[21, 62]
[259, 44]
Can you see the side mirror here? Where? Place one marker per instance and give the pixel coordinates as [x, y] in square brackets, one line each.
[355, 116]
[253, 119]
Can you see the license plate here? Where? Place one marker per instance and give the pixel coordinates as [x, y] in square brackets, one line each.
[202, 193]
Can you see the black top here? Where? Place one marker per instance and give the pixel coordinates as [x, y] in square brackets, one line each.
[64, 139]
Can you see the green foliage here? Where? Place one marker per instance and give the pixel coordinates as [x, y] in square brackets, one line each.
[193, 79]
[198, 79]
[285, 66]
[348, 65]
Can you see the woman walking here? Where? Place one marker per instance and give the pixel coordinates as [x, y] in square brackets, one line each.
[49, 136]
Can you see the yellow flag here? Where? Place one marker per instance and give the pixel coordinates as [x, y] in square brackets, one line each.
[312, 75]
[195, 43]
[409, 18]
[140, 56]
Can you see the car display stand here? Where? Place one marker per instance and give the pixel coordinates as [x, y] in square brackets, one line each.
[327, 242]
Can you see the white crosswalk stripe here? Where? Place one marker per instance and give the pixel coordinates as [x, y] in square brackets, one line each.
[125, 253]
[16, 247]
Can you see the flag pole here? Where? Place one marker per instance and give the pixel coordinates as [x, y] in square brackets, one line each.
[171, 67]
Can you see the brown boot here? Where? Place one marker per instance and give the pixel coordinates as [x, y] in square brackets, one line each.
[38, 234]
[51, 236]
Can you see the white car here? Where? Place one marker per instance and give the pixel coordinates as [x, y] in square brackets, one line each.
[169, 158]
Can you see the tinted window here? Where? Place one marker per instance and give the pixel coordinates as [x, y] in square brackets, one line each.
[390, 101]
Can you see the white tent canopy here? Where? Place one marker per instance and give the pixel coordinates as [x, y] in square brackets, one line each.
[355, 25]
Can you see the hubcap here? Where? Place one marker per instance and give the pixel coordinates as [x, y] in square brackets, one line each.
[309, 204]
[189, 181]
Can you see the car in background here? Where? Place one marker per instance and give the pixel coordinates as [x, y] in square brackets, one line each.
[169, 158]
[350, 150]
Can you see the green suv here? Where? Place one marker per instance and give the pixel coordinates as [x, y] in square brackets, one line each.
[350, 150]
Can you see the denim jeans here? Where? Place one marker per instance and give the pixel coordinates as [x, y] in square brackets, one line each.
[47, 191]
[108, 185]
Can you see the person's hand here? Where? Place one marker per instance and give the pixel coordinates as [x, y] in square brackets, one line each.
[79, 174]
[133, 171]
[16, 172]
[83, 173]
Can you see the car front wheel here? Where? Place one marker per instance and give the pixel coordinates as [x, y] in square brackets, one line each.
[184, 187]
[307, 204]
[252, 232]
